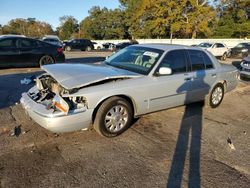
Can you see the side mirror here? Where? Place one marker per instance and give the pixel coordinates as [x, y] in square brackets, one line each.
[107, 57]
[165, 71]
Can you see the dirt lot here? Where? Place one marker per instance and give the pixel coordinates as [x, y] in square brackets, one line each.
[180, 147]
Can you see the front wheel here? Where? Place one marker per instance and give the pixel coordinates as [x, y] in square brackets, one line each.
[46, 60]
[88, 48]
[113, 117]
[68, 48]
[216, 95]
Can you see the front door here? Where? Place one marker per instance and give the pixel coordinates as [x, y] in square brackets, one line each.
[9, 54]
[171, 90]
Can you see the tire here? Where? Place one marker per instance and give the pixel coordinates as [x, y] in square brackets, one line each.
[88, 49]
[68, 48]
[216, 96]
[109, 121]
[224, 57]
[46, 60]
[98, 48]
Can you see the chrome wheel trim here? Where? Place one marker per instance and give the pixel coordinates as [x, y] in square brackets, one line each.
[46, 60]
[217, 95]
[68, 48]
[116, 118]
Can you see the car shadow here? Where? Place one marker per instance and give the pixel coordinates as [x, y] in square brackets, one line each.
[85, 60]
[11, 87]
[188, 145]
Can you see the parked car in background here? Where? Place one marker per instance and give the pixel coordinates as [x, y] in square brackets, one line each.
[122, 45]
[137, 80]
[16, 51]
[52, 39]
[109, 46]
[97, 46]
[241, 50]
[245, 68]
[219, 50]
[78, 44]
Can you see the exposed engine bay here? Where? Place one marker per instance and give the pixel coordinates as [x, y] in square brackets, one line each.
[49, 93]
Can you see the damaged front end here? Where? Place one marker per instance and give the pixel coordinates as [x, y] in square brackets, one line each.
[50, 94]
[52, 107]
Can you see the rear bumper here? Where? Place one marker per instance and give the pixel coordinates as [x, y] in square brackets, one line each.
[54, 122]
[60, 58]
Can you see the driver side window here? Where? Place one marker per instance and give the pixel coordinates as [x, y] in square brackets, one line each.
[176, 60]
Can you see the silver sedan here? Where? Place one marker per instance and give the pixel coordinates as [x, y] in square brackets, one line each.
[137, 80]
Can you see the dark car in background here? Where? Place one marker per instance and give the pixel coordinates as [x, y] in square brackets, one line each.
[18, 51]
[122, 45]
[241, 50]
[109, 46]
[78, 44]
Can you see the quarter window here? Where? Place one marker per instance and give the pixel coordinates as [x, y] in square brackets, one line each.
[208, 61]
[176, 60]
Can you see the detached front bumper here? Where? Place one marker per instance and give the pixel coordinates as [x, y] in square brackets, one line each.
[56, 122]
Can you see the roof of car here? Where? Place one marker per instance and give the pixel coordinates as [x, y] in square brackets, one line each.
[166, 47]
[12, 36]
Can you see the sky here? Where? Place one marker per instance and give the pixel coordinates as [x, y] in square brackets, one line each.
[49, 10]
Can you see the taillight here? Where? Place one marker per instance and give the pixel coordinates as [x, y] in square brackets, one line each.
[59, 50]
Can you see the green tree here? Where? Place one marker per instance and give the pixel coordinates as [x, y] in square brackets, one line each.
[160, 18]
[29, 27]
[233, 19]
[103, 24]
[68, 27]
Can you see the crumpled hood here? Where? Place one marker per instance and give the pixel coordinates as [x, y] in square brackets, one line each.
[72, 76]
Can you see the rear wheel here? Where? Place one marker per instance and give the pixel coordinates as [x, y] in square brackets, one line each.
[113, 117]
[88, 48]
[216, 96]
[46, 60]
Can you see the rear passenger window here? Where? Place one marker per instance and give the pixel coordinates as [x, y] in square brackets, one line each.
[197, 60]
[176, 60]
[24, 43]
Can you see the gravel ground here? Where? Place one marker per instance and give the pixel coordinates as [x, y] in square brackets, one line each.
[179, 147]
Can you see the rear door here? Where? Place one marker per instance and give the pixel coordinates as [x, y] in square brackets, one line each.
[203, 74]
[29, 51]
[9, 53]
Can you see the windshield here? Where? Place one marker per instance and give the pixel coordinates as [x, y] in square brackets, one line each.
[135, 59]
[205, 45]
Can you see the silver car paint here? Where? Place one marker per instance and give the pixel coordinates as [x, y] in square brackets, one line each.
[76, 75]
[148, 93]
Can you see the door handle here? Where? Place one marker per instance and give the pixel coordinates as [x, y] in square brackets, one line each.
[214, 75]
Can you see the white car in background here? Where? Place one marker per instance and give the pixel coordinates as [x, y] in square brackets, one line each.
[217, 49]
[97, 46]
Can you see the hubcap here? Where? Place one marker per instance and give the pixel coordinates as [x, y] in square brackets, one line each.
[217, 95]
[47, 60]
[116, 118]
